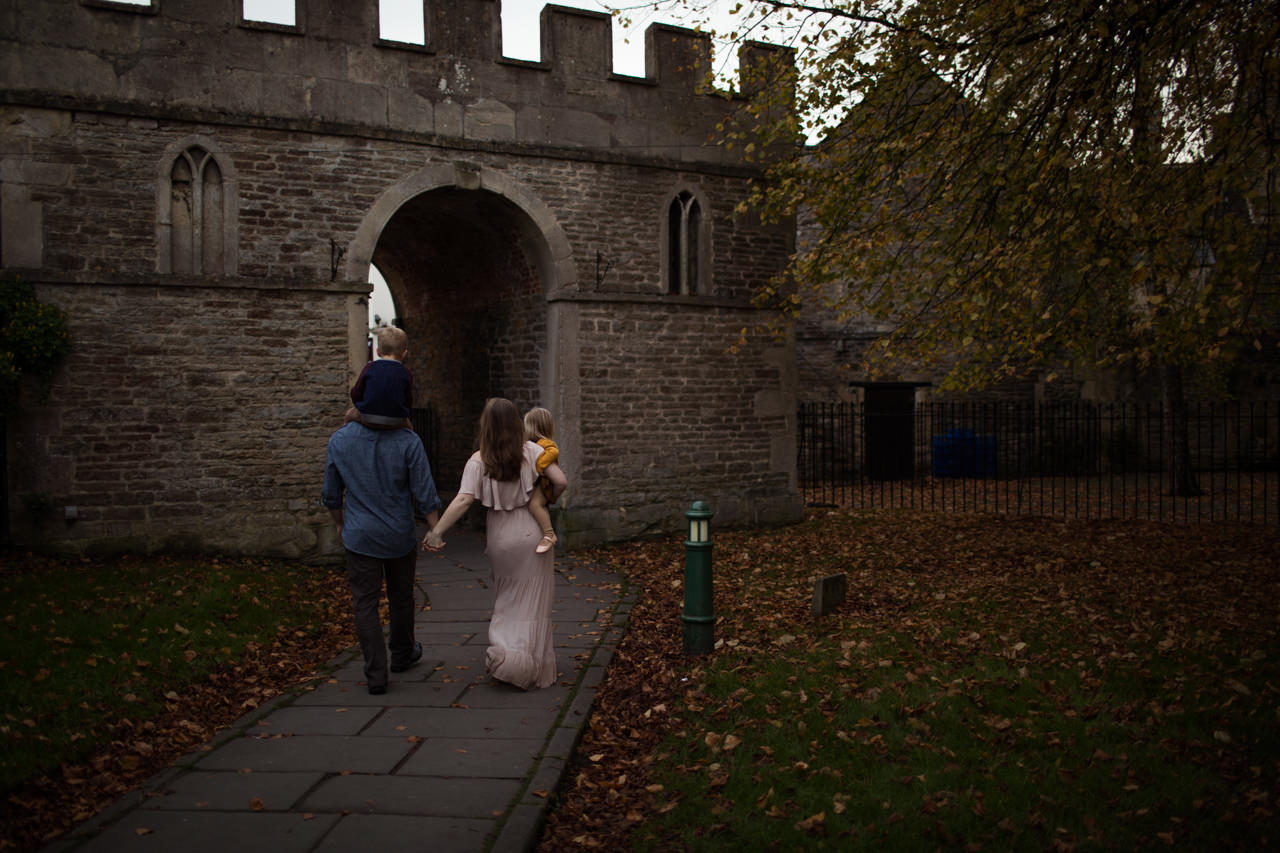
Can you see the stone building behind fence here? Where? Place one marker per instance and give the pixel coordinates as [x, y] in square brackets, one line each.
[204, 196]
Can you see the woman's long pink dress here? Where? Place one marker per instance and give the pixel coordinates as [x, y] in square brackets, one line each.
[520, 649]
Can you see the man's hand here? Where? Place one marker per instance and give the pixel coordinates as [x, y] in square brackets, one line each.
[432, 541]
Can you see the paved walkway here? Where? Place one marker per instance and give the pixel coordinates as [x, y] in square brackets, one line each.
[445, 761]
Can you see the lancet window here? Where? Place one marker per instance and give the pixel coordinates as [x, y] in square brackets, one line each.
[685, 245]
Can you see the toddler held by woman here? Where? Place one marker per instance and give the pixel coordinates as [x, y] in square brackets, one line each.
[540, 427]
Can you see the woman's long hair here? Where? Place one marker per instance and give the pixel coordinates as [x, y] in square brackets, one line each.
[501, 439]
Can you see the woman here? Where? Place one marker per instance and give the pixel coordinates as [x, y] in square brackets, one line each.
[501, 474]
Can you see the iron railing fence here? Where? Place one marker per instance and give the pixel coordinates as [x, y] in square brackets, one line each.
[1074, 460]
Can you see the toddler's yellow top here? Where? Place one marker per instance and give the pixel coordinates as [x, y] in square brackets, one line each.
[550, 453]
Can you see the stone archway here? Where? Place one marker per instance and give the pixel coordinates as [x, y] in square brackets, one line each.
[470, 258]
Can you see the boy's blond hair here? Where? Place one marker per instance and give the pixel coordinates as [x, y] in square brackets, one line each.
[392, 342]
[538, 423]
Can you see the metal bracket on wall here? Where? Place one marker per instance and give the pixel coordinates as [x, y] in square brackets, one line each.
[336, 253]
[600, 274]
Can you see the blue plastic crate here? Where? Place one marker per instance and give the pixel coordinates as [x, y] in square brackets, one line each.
[961, 453]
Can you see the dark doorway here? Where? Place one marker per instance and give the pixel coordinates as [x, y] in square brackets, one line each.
[460, 267]
[890, 424]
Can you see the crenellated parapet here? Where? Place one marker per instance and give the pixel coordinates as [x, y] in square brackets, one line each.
[196, 59]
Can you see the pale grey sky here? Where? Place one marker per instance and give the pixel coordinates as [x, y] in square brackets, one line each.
[402, 20]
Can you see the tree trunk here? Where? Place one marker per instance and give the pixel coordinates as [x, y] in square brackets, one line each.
[1182, 478]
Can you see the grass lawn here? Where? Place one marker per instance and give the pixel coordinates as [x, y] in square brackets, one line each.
[112, 669]
[990, 684]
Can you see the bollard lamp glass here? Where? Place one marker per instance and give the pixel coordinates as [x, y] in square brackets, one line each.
[699, 517]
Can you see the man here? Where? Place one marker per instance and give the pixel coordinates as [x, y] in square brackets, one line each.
[384, 480]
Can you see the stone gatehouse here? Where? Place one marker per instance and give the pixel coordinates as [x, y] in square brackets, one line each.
[204, 196]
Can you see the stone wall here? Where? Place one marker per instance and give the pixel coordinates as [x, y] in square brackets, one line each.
[187, 417]
[657, 431]
[516, 209]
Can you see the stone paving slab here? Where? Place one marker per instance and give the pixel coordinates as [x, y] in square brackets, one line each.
[355, 694]
[353, 671]
[212, 832]
[462, 722]
[441, 630]
[445, 571]
[230, 790]
[579, 640]
[318, 720]
[413, 795]
[463, 676]
[576, 606]
[401, 834]
[314, 753]
[468, 757]
[568, 663]
[428, 670]
[443, 616]
[486, 694]
[446, 597]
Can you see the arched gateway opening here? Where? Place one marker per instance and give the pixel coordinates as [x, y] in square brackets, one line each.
[468, 264]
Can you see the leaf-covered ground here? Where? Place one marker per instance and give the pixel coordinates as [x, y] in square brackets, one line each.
[112, 670]
[989, 683]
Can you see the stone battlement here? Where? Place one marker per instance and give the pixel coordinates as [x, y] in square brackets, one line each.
[197, 60]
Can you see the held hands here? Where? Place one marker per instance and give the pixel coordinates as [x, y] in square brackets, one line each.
[432, 541]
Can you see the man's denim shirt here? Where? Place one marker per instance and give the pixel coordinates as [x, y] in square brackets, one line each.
[386, 479]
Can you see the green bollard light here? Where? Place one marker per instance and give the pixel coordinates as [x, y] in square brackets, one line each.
[699, 620]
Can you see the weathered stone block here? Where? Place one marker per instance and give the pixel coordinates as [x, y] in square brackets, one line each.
[829, 593]
[489, 119]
